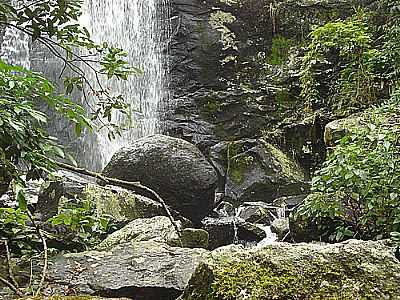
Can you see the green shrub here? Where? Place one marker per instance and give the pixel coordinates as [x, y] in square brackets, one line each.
[359, 183]
[279, 50]
[80, 218]
[343, 54]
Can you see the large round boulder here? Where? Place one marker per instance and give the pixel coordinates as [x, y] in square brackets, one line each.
[172, 167]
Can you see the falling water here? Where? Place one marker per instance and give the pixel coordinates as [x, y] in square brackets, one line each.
[138, 27]
[15, 47]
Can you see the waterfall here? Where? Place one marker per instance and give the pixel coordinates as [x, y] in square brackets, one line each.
[15, 47]
[138, 27]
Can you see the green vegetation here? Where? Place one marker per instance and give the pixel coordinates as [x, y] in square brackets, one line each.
[23, 140]
[26, 149]
[280, 50]
[79, 217]
[357, 187]
[359, 183]
[350, 42]
[352, 64]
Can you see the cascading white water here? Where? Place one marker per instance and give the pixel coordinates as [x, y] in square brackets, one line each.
[15, 47]
[140, 28]
[137, 26]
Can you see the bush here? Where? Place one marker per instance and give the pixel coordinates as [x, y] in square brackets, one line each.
[359, 183]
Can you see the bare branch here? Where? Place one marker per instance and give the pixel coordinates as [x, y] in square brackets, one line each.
[16, 290]
[135, 186]
[45, 252]
[9, 265]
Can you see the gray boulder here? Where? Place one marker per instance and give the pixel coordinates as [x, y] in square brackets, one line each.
[144, 270]
[257, 212]
[280, 226]
[157, 229]
[172, 167]
[121, 204]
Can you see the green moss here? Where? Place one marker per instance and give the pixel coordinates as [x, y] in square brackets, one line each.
[239, 162]
[269, 274]
[289, 167]
[121, 204]
[238, 167]
[211, 107]
[280, 50]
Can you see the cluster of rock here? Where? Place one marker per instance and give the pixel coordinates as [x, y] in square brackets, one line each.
[146, 258]
[223, 182]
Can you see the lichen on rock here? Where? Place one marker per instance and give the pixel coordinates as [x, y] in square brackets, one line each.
[349, 270]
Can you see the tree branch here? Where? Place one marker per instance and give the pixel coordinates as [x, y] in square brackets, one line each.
[16, 290]
[10, 270]
[45, 259]
[135, 186]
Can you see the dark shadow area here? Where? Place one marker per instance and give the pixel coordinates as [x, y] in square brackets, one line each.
[143, 293]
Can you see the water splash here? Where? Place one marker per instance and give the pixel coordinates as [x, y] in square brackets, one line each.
[139, 28]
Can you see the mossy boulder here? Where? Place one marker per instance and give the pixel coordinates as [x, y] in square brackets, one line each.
[349, 270]
[121, 204]
[261, 172]
[157, 229]
[337, 129]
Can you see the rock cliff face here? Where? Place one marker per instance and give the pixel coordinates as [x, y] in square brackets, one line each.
[234, 70]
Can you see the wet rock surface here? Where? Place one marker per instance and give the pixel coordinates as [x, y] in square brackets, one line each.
[231, 230]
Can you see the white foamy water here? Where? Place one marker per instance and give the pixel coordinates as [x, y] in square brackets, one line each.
[140, 28]
[136, 26]
[15, 47]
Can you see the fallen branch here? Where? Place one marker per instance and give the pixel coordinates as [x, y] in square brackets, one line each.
[12, 287]
[45, 252]
[135, 186]
[9, 265]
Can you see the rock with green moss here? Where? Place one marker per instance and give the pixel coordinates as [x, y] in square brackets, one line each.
[337, 129]
[158, 229]
[194, 238]
[345, 271]
[121, 204]
[259, 171]
[173, 168]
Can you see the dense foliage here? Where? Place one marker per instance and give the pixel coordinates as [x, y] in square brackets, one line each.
[25, 146]
[358, 185]
[27, 151]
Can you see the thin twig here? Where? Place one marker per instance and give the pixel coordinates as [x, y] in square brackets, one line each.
[45, 252]
[136, 186]
[12, 287]
[9, 265]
